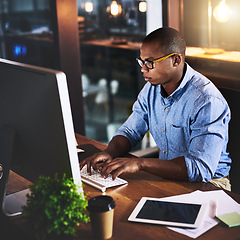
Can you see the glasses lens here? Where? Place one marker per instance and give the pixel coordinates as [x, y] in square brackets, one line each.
[149, 64]
[140, 62]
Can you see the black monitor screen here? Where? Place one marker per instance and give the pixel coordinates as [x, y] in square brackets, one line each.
[34, 102]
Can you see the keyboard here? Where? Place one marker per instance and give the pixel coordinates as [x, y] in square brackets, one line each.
[97, 181]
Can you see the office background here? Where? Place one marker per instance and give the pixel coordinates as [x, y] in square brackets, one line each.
[95, 42]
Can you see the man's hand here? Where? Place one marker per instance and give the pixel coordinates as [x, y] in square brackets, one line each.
[119, 166]
[96, 161]
[118, 146]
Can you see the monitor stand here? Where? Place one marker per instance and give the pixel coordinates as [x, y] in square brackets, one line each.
[10, 205]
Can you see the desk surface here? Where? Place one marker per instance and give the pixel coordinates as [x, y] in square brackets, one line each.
[139, 185]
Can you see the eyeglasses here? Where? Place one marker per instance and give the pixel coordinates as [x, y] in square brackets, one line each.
[149, 64]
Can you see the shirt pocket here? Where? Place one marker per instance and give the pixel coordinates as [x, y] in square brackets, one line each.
[178, 139]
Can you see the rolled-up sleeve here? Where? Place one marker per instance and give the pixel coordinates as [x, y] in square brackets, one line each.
[137, 124]
[209, 133]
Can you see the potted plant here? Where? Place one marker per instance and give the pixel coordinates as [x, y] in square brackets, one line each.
[55, 207]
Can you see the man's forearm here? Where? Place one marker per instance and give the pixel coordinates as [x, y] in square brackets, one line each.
[118, 146]
[173, 169]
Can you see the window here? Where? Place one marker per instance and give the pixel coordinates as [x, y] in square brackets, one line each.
[25, 32]
[110, 37]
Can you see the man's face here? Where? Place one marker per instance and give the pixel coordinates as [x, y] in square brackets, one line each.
[163, 71]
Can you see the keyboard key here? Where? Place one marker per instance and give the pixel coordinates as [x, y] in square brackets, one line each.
[97, 181]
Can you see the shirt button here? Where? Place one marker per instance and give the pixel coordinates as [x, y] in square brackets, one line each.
[167, 109]
[163, 130]
[164, 152]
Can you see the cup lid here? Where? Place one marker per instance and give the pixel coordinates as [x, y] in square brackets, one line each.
[101, 203]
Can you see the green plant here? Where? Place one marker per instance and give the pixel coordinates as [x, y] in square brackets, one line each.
[55, 207]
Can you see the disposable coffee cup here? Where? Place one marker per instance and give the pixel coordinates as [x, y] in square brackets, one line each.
[101, 209]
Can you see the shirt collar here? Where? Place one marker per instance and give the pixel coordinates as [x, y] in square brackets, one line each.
[179, 91]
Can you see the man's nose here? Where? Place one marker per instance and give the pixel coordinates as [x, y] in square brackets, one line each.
[144, 68]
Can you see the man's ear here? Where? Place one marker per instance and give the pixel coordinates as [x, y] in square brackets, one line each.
[176, 60]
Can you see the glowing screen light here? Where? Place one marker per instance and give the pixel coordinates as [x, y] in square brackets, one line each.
[19, 50]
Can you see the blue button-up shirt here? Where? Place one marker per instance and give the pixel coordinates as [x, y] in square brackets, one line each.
[191, 122]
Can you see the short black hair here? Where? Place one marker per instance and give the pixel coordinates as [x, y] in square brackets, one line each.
[170, 40]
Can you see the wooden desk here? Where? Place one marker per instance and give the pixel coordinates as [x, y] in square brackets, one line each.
[140, 184]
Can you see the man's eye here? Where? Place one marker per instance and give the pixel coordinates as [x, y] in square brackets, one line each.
[148, 63]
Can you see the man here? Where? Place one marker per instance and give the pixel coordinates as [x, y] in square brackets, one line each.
[185, 113]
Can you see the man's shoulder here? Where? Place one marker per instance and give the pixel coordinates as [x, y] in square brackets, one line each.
[203, 85]
[200, 89]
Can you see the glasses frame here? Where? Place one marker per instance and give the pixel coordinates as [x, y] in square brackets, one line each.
[144, 62]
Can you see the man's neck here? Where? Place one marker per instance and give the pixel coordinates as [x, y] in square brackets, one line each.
[169, 88]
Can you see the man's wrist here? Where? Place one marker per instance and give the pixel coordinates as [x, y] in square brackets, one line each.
[141, 163]
[109, 152]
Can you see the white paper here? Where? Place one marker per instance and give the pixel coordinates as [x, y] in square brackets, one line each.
[219, 203]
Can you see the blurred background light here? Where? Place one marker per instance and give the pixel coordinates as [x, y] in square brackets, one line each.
[222, 12]
[89, 7]
[142, 6]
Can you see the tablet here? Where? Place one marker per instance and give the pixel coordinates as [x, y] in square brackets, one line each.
[169, 212]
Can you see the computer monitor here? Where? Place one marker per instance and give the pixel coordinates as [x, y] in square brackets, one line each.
[36, 128]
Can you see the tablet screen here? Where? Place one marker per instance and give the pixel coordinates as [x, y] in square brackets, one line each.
[166, 212]
[169, 211]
